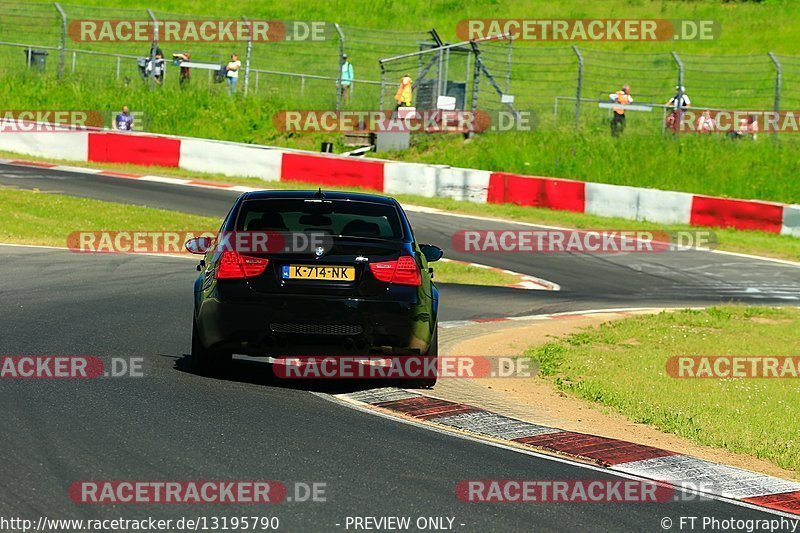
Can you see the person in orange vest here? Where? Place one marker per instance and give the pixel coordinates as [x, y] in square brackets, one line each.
[622, 97]
[403, 95]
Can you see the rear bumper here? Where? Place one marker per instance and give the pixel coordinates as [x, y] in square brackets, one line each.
[304, 325]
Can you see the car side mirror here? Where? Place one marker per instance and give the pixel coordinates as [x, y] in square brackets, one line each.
[198, 245]
[432, 253]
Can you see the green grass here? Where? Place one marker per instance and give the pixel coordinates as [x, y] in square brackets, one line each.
[455, 272]
[39, 218]
[752, 242]
[621, 365]
[47, 219]
[765, 169]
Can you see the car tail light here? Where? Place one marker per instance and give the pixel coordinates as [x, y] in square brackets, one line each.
[404, 271]
[233, 265]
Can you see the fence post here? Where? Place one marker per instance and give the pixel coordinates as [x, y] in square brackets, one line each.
[679, 100]
[383, 85]
[580, 86]
[778, 83]
[440, 64]
[476, 76]
[339, 72]
[508, 69]
[247, 55]
[680, 76]
[153, 51]
[63, 47]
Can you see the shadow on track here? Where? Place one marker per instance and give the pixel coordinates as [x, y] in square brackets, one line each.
[257, 372]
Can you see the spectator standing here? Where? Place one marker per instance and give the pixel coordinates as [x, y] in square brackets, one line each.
[679, 102]
[232, 73]
[404, 94]
[622, 98]
[346, 78]
[124, 120]
[158, 68]
[186, 74]
[681, 99]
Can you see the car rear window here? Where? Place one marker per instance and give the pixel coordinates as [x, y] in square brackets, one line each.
[347, 218]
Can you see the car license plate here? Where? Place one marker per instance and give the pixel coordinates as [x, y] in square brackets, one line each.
[319, 272]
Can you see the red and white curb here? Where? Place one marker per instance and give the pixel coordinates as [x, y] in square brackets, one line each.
[134, 176]
[617, 455]
[525, 281]
[615, 313]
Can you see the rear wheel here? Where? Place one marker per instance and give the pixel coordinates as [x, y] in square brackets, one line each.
[429, 361]
[205, 361]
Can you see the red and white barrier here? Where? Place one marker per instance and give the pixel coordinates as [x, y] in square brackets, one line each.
[634, 203]
[791, 220]
[410, 178]
[741, 214]
[71, 146]
[391, 177]
[230, 159]
[552, 193]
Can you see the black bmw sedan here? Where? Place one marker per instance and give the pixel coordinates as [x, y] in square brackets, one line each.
[314, 273]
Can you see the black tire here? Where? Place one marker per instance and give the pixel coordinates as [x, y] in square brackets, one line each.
[207, 362]
[430, 358]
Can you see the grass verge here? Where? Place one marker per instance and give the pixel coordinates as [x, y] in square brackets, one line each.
[732, 240]
[621, 365]
[47, 219]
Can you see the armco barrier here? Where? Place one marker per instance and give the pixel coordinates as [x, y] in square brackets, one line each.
[231, 159]
[71, 146]
[791, 220]
[665, 207]
[552, 193]
[331, 170]
[147, 150]
[740, 214]
[612, 201]
[634, 203]
[391, 177]
[410, 178]
[462, 184]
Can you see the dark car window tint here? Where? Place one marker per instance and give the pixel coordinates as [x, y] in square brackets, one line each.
[334, 217]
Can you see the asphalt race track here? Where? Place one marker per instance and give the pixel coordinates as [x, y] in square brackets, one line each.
[174, 425]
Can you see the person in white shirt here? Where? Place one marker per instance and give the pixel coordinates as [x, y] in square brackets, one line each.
[679, 102]
[706, 124]
[232, 73]
[681, 99]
